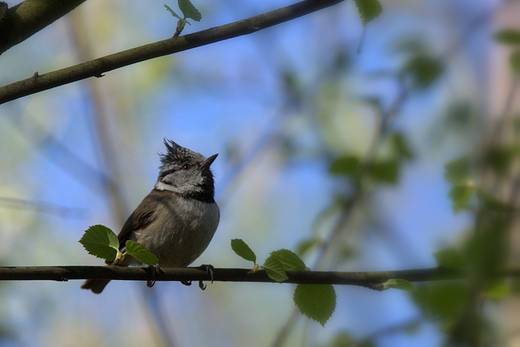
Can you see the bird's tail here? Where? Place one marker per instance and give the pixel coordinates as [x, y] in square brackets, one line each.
[96, 286]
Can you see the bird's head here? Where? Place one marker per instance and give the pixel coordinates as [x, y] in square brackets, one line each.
[186, 173]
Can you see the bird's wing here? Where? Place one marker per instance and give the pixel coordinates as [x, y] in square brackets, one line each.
[142, 216]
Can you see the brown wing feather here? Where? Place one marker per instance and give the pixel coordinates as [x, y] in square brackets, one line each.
[142, 216]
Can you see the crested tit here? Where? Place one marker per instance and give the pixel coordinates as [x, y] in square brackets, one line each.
[178, 218]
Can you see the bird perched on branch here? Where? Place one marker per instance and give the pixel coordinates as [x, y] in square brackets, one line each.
[178, 218]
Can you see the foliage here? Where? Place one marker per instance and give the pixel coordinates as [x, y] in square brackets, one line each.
[101, 242]
[463, 186]
[316, 301]
[242, 249]
[188, 10]
[368, 10]
[398, 283]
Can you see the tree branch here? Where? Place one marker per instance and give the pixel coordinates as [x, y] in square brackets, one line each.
[96, 67]
[365, 279]
[27, 18]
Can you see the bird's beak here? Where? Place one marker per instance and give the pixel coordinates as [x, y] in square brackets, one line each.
[207, 163]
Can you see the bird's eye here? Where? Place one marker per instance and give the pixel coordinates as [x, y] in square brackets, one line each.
[186, 167]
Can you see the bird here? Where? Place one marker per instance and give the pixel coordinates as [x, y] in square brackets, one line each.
[178, 218]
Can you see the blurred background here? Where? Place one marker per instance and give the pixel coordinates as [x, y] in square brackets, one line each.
[286, 108]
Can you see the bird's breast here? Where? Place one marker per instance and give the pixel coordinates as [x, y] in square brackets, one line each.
[180, 231]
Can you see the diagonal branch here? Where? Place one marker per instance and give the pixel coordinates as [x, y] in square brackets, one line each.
[96, 67]
[27, 18]
[365, 279]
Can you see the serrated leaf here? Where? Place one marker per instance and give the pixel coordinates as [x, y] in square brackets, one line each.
[101, 242]
[398, 283]
[316, 301]
[189, 10]
[140, 253]
[274, 269]
[450, 258]
[457, 172]
[243, 250]
[368, 10]
[289, 259]
[460, 196]
[508, 36]
[385, 171]
[172, 11]
[514, 61]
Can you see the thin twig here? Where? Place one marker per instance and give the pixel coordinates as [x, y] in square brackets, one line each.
[97, 67]
[365, 279]
[28, 17]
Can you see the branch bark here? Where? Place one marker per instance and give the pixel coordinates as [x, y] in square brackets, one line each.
[365, 279]
[97, 67]
[27, 18]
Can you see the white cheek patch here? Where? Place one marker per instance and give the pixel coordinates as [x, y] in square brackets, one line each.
[160, 185]
[186, 188]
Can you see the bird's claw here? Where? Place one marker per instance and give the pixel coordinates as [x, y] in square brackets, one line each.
[154, 269]
[209, 270]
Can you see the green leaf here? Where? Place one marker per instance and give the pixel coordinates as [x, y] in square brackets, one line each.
[243, 250]
[386, 171]
[423, 70]
[508, 36]
[289, 260]
[172, 12]
[189, 10]
[397, 283]
[458, 173]
[140, 253]
[316, 301]
[274, 269]
[450, 258]
[460, 196]
[514, 61]
[401, 146]
[101, 242]
[368, 10]
[348, 165]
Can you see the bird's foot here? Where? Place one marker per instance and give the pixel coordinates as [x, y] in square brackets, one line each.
[154, 269]
[209, 270]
